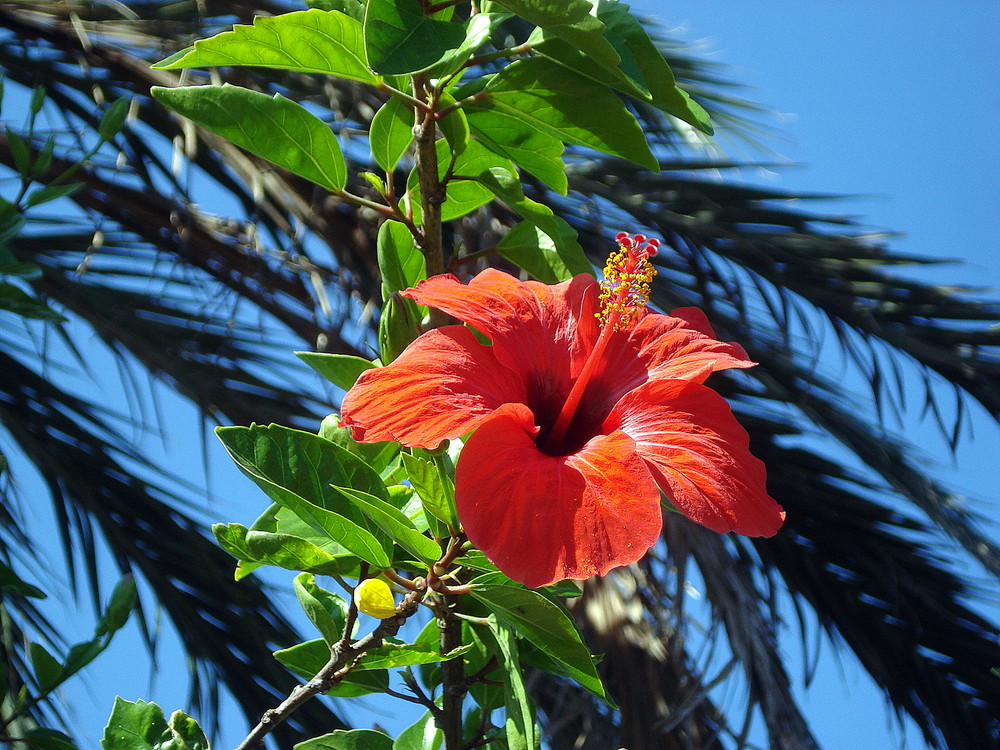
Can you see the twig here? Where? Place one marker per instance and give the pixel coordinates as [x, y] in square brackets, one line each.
[344, 657]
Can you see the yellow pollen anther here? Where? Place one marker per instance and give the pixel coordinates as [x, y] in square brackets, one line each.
[627, 275]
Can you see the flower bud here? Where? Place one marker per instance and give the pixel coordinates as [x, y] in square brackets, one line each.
[374, 597]
[397, 327]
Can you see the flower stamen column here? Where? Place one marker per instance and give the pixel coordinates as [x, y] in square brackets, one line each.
[624, 291]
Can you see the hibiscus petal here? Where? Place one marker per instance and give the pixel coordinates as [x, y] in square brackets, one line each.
[531, 325]
[689, 435]
[543, 518]
[437, 389]
[679, 346]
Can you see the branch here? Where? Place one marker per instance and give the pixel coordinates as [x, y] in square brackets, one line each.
[344, 657]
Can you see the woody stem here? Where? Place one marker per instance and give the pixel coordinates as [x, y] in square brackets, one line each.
[558, 432]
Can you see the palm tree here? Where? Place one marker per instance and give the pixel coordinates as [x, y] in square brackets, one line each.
[288, 262]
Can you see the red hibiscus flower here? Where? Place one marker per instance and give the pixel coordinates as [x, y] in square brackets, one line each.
[582, 409]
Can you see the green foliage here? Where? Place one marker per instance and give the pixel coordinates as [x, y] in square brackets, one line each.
[311, 41]
[274, 128]
[142, 726]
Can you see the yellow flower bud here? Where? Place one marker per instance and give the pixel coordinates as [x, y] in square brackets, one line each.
[374, 597]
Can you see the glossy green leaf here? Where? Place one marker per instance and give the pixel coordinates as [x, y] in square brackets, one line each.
[571, 107]
[546, 625]
[295, 553]
[399, 38]
[454, 126]
[273, 128]
[477, 31]
[325, 610]
[421, 735]
[342, 370]
[391, 133]
[396, 525]
[571, 20]
[521, 730]
[308, 41]
[533, 150]
[537, 253]
[376, 455]
[566, 258]
[437, 492]
[399, 259]
[296, 469]
[353, 739]
[643, 73]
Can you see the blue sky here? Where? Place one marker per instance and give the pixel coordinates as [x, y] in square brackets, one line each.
[891, 103]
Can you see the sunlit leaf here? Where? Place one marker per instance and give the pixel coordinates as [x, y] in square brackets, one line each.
[273, 128]
[308, 41]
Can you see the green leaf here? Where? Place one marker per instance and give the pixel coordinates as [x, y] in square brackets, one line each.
[643, 72]
[535, 151]
[37, 100]
[353, 739]
[548, 260]
[437, 492]
[296, 469]
[19, 151]
[48, 670]
[48, 193]
[325, 610]
[15, 300]
[391, 655]
[354, 8]
[399, 38]
[276, 129]
[135, 726]
[113, 119]
[402, 265]
[81, 654]
[342, 370]
[454, 126]
[120, 606]
[568, 258]
[186, 734]
[477, 32]
[571, 20]
[544, 624]
[391, 133]
[295, 553]
[395, 523]
[522, 733]
[422, 735]
[571, 107]
[11, 583]
[376, 455]
[39, 738]
[142, 726]
[399, 259]
[307, 41]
